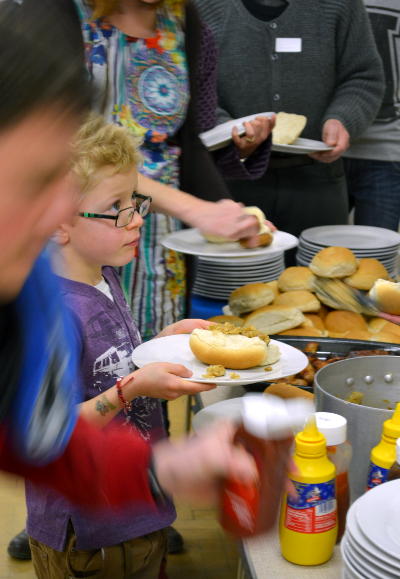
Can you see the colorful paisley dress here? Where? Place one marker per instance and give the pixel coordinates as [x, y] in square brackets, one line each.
[143, 85]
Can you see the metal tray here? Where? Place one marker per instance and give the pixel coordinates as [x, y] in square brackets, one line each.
[327, 347]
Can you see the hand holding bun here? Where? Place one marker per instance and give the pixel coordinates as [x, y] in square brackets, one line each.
[265, 235]
[225, 345]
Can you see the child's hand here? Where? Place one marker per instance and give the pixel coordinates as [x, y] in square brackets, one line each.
[183, 327]
[165, 380]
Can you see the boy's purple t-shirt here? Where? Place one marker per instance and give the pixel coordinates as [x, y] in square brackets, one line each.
[108, 338]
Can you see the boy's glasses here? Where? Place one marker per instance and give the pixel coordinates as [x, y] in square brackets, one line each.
[141, 204]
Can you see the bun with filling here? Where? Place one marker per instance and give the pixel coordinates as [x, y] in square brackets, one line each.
[304, 300]
[334, 262]
[232, 350]
[274, 319]
[296, 278]
[251, 296]
[369, 270]
[386, 294]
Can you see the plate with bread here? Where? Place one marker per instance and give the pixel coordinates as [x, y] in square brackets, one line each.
[221, 135]
[224, 354]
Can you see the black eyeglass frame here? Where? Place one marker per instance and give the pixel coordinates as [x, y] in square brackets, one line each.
[135, 196]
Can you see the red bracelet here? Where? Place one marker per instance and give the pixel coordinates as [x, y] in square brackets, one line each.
[127, 406]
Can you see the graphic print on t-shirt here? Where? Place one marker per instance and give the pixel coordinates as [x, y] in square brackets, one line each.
[385, 20]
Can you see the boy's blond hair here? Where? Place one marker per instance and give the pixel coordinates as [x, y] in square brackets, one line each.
[99, 144]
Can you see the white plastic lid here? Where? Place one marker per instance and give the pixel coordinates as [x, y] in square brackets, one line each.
[333, 427]
[398, 451]
[271, 417]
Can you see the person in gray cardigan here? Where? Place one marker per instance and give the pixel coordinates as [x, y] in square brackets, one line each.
[312, 57]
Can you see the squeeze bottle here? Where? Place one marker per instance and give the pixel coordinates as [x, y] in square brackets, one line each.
[383, 455]
[265, 431]
[394, 472]
[308, 522]
[339, 451]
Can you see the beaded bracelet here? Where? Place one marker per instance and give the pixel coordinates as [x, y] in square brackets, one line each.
[127, 406]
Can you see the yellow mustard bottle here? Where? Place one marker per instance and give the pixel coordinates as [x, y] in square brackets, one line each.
[308, 522]
[383, 455]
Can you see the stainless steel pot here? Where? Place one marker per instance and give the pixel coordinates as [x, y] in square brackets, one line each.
[378, 377]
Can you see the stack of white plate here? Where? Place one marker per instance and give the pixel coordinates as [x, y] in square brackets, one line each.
[371, 545]
[363, 240]
[218, 277]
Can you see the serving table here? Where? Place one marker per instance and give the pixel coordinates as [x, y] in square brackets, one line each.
[260, 558]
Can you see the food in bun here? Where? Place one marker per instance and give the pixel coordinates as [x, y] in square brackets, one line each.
[265, 234]
[304, 300]
[296, 278]
[386, 294]
[230, 347]
[368, 271]
[274, 319]
[251, 296]
[334, 262]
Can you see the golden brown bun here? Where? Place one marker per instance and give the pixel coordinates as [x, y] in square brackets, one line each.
[334, 262]
[351, 335]
[275, 319]
[249, 297]
[231, 351]
[263, 239]
[385, 337]
[288, 391]
[296, 278]
[387, 296]
[288, 127]
[235, 320]
[304, 300]
[323, 312]
[274, 286]
[343, 321]
[368, 271]
[316, 321]
[263, 229]
[380, 325]
[303, 332]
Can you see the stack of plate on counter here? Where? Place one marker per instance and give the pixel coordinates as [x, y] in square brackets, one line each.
[218, 277]
[371, 545]
[363, 240]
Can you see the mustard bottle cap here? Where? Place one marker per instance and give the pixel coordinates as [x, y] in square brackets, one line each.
[332, 426]
[391, 427]
[310, 442]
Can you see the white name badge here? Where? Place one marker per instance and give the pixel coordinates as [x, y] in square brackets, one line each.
[288, 44]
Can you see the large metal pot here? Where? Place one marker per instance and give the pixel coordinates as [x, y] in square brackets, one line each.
[378, 377]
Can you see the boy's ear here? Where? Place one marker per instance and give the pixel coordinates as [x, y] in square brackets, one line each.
[61, 235]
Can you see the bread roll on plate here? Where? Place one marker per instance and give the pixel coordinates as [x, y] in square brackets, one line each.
[251, 296]
[341, 321]
[274, 319]
[304, 300]
[368, 271]
[334, 262]
[386, 294]
[296, 278]
[265, 234]
[235, 320]
[288, 127]
[232, 351]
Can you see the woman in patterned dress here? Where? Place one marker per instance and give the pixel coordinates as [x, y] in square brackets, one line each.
[139, 57]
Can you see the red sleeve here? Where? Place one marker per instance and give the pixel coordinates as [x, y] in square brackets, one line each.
[99, 468]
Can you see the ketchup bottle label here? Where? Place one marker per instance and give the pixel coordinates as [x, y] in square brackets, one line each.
[240, 504]
[376, 475]
[313, 510]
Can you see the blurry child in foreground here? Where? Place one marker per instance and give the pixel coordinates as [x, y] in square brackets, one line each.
[105, 233]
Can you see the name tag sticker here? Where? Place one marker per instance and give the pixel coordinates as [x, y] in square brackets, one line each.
[288, 44]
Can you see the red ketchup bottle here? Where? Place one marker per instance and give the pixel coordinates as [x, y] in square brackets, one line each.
[266, 431]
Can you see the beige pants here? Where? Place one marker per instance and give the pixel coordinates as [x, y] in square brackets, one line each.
[139, 558]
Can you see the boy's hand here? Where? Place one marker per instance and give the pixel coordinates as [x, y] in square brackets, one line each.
[183, 327]
[165, 380]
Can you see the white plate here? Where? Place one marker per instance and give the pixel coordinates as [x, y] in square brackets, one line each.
[192, 242]
[221, 135]
[352, 236]
[176, 349]
[252, 260]
[302, 146]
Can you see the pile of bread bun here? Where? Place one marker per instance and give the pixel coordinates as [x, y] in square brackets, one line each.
[290, 305]
[265, 234]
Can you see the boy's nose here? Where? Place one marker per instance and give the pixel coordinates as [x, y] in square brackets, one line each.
[136, 222]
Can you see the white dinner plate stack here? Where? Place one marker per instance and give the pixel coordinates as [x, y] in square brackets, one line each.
[371, 544]
[363, 240]
[217, 277]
